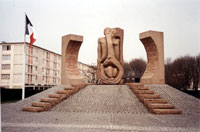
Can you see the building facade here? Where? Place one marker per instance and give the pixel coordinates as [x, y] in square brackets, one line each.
[42, 67]
[88, 72]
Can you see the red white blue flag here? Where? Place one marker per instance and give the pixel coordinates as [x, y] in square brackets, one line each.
[30, 31]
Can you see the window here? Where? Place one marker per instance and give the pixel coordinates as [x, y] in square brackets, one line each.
[5, 76]
[36, 59]
[5, 57]
[5, 66]
[6, 47]
[30, 51]
[55, 58]
[47, 72]
[54, 81]
[48, 56]
[29, 79]
[30, 69]
[54, 65]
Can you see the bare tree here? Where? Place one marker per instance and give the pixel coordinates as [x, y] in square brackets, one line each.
[138, 67]
[90, 74]
[168, 72]
[182, 72]
[127, 69]
[196, 78]
[135, 68]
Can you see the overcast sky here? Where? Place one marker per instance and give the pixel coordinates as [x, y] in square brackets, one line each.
[52, 19]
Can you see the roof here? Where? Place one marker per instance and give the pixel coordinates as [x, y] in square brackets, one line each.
[28, 44]
[87, 65]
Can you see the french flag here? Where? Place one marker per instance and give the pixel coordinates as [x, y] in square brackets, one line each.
[30, 31]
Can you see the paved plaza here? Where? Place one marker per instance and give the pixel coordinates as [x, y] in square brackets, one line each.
[103, 108]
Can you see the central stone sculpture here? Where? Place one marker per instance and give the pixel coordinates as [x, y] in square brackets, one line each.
[110, 57]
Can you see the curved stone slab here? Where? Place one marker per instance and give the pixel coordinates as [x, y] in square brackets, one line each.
[154, 45]
[70, 73]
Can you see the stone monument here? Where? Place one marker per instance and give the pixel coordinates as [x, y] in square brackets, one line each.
[70, 73]
[110, 57]
[154, 45]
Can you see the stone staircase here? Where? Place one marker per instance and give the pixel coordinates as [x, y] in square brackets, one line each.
[154, 103]
[47, 103]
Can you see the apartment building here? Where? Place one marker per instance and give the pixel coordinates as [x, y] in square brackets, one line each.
[42, 67]
[88, 72]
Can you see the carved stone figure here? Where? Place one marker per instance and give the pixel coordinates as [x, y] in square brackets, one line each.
[70, 73]
[154, 45]
[110, 57]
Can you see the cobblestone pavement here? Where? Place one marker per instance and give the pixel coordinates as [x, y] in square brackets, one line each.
[103, 108]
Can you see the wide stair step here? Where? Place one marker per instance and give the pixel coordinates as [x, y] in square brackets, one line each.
[144, 92]
[148, 96]
[166, 111]
[46, 106]
[149, 101]
[53, 101]
[136, 89]
[137, 86]
[55, 96]
[160, 106]
[64, 91]
[69, 88]
[33, 109]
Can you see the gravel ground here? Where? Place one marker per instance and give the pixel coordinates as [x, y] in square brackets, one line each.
[103, 99]
[103, 108]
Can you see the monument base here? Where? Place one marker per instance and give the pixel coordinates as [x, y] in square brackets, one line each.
[152, 81]
[74, 81]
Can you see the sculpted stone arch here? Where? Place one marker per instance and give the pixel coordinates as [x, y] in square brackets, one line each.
[70, 73]
[154, 45]
[110, 57]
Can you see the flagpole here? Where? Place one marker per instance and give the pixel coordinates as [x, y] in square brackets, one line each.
[24, 64]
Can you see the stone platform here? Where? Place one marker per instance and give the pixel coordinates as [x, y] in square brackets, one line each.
[103, 108]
